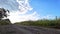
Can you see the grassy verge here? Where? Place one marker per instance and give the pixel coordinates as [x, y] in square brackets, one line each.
[45, 23]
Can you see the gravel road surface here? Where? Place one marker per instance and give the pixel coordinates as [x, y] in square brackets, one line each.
[19, 29]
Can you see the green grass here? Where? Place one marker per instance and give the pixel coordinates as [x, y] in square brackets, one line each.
[44, 23]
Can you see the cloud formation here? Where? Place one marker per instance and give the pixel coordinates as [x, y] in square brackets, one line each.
[24, 6]
[47, 17]
[17, 17]
[20, 15]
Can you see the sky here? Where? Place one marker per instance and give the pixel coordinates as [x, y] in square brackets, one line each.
[24, 10]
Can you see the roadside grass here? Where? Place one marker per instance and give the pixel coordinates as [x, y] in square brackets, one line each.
[55, 23]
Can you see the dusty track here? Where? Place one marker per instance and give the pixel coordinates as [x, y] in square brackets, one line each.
[19, 29]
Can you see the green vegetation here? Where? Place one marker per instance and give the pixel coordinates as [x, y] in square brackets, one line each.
[5, 22]
[44, 23]
[3, 13]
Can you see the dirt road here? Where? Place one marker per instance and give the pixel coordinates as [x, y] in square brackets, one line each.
[19, 29]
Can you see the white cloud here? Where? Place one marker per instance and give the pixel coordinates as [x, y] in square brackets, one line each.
[24, 6]
[19, 15]
[47, 17]
[16, 17]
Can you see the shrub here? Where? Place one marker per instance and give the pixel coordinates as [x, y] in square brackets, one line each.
[5, 22]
